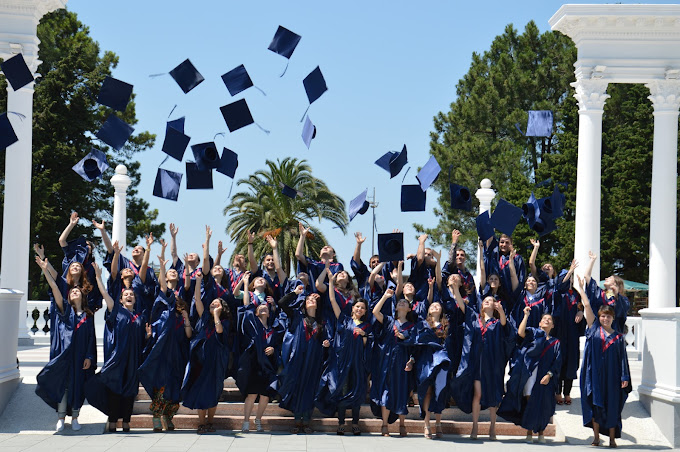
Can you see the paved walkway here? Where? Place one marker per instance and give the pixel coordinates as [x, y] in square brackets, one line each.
[27, 424]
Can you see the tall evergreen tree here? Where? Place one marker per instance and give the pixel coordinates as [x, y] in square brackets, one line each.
[65, 118]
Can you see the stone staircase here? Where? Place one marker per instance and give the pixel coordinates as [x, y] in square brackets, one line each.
[229, 416]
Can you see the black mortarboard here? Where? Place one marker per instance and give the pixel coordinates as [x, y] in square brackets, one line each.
[545, 223]
[531, 210]
[115, 132]
[237, 80]
[228, 163]
[412, 198]
[7, 135]
[176, 141]
[115, 93]
[393, 162]
[460, 197]
[197, 179]
[505, 217]
[358, 206]
[391, 247]
[92, 165]
[429, 173]
[237, 115]
[288, 191]
[315, 85]
[484, 228]
[167, 184]
[540, 123]
[206, 156]
[284, 42]
[186, 76]
[16, 71]
[308, 132]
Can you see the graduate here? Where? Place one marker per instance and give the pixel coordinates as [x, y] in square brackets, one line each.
[537, 297]
[167, 351]
[529, 400]
[376, 286]
[432, 366]
[487, 345]
[612, 295]
[135, 278]
[61, 382]
[344, 381]
[423, 267]
[392, 363]
[311, 267]
[456, 264]
[456, 321]
[258, 362]
[605, 375]
[302, 356]
[208, 359]
[418, 306]
[547, 274]
[272, 271]
[360, 270]
[343, 289]
[496, 260]
[112, 391]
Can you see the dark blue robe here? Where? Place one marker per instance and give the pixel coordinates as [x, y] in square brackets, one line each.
[536, 352]
[123, 344]
[391, 385]
[208, 360]
[486, 348]
[65, 370]
[495, 262]
[605, 366]
[76, 251]
[568, 331]
[431, 368]
[456, 336]
[419, 277]
[145, 292]
[302, 356]
[469, 286]
[620, 303]
[506, 301]
[540, 302]
[167, 351]
[345, 378]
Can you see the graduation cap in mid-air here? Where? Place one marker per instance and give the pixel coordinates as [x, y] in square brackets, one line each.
[228, 163]
[484, 227]
[315, 86]
[429, 173]
[531, 211]
[92, 165]
[391, 247]
[115, 93]
[505, 217]
[16, 71]
[288, 191]
[393, 162]
[197, 179]
[237, 115]
[460, 197]
[186, 76]
[7, 135]
[540, 124]
[412, 198]
[206, 156]
[167, 184]
[284, 43]
[115, 132]
[358, 206]
[175, 142]
[238, 80]
[308, 132]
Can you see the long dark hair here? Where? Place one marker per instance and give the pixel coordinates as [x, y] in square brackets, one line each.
[83, 301]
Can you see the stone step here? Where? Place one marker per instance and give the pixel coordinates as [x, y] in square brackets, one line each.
[280, 423]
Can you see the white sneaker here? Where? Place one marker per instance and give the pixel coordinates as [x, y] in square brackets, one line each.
[60, 425]
[75, 425]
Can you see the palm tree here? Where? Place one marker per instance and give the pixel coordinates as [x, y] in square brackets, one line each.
[262, 208]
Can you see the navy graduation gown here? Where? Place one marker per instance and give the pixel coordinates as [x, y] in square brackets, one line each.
[455, 338]
[208, 360]
[486, 349]
[345, 377]
[431, 368]
[605, 366]
[568, 331]
[540, 303]
[65, 370]
[620, 303]
[391, 384]
[419, 276]
[495, 262]
[167, 351]
[540, 354]
[361, 273]
[76, 251]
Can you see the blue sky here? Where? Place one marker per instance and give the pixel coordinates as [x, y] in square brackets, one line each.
[390, 67]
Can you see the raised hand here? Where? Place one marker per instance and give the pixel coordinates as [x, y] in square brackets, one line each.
[437, 256]
[271, 240]
[163, 243]
[199, 276]
[147, 327]
[39, 250]
[455, 235]
[42, 263]
[299, 289]
[117, 248]
[73, 220]
[173, 230]
[251, 237]
[430, 282]
[527, 311]
[246, 278]
[535, 242]
[218, 311]
[97, 269]
[208, 232]
[149, 239]
[99, 226]
[220, 248]
[581, 283]
[162, 262]
[422, 238]
[592, 255]
[573, 266]
[513, 253]
[303, 230]
[498, 306]
[359, 237]
[389, 293]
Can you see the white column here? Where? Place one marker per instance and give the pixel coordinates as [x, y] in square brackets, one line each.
[485, 194]
[120, 181]
[665, 97]
[9, 374]
[17, 209]
[591, 97]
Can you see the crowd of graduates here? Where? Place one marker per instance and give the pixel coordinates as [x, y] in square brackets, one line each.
[323, 339]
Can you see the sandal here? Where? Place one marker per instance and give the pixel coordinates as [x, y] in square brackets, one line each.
[157, 426]
[596, 443]
[209, 427]
[112, 427]
[402, 430]
[168, 423]
[567, 400]
[356, 431]
[258, 425]
[126, 427]
[384, 431]
[307, 429]
[427, 433]
[341, 430]
[201, 429]
[245, 427]
[438, 428]
[612, 443]
[558, 399]
[296, 430]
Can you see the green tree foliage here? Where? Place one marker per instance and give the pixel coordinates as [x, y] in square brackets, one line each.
[65, 119]
[262, 209]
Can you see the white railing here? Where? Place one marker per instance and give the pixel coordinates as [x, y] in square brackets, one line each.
[634, 337]
[38, 318]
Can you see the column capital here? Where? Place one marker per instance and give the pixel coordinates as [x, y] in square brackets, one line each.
[665, 95]
[590, 94]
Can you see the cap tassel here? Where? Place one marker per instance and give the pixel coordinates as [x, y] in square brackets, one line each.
[407, 169]
[305, 114]
[157, 75]
[164, 160]
[230, 187]
[519, 130]
[263, 129]
[21, 116]
[285, 69]
[260, 90]
[171, 111]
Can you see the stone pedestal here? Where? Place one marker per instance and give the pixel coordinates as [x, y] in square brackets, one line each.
[10, 300]
[660, 386]
[120, 181]
[485, 194]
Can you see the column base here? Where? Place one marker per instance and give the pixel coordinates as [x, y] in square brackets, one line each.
[25, 341]
[8, 384]
[660, 386]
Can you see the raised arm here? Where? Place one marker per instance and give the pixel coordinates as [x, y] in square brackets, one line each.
[56, 293]
[220, 251]
[400, 278]
[300, 250]
[100, 284]
[455, 235]
[105, 237]
[197, 293]
[501, 312]
[173, 243]
[40, 252]
[73, 221]
[532, 258]
[587, 309]
[376, 270]
[206, 250]
[438, 269]
[161, 274]
[482, 267]
[145, 259]
[252, 263]
[513, 271]
[246, 293]
[320, 285]
[570, 273]
[378, 306]
[357, 249]
[522, 328]
[455, 289]
[115, 261]
[589, 268]
[420, 254]
[331, 297]
[430, 290]
[237, 288]
[277, 260]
